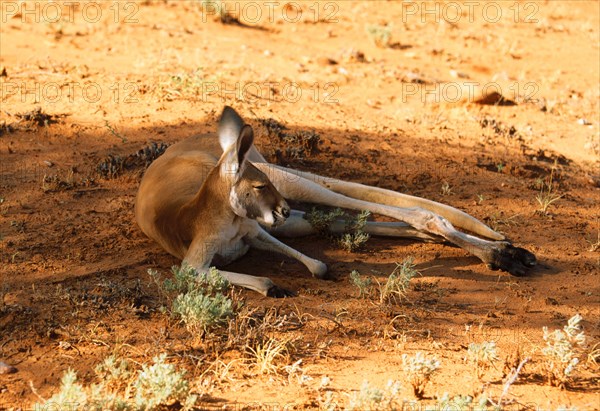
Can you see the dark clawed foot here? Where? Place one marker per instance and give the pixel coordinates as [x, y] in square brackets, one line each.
[278, 292]
[515, 260]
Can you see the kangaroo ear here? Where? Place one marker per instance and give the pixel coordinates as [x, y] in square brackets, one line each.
[230, 128]
[244, 142]
[233, 160]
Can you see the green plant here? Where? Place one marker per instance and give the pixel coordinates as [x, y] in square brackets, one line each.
[200, 312]
[182, 85]
[547, 194]
[36, 117]
[266, 354]
[183, 281]
[419, 368]
[497, 220]
[561, 351]
[296, 145]
[114, 132]
[112, 166]
[71, 392]
[446, 189]
[273, 127]
[3, 304]
[463, 402]
[58, 182]
[114, 372]
[186, 279]
[328, 402]
[594, 244]
[300, 144]
[199, 299]
[114, 389]
[458, 402]
[161, 384]
[371, 398]
[321, 220]
[361, 220]
[396, 286]
[354, 237]
[363, 284]
[380, 34]
[155, 386]
[209, 4]
[480, 198]
[221, 12]
[593, 357]
[297, 373]
[482, 356]
[351, 242]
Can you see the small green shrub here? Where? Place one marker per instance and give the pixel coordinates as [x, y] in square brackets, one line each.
[446, 189]
[562, 350]
[482, 356]
[114, 372]
[71, 393]
[266, 354]
[396, 287]
[187, 85]
[381, 35]
[200, 312]
[419, 369]
[372, 398]
[186, 279]
[321, 220]
[156, 386]
[547, 194]
[352, 242]
[363, 284]
[464, 402]
[183, 281]
[200, 301]
[161, 384]
[354, 237]
[300, 144]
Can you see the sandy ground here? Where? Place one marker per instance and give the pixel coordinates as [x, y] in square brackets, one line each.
[114, 77]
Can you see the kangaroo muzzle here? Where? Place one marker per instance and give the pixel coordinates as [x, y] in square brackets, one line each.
[280, 214]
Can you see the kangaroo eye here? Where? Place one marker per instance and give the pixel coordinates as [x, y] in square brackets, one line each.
[260, 187]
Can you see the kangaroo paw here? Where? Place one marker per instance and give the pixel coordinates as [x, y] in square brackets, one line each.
[515, 260]
[278, 292]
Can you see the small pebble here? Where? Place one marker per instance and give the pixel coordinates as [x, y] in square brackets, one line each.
[593, 180]
[583, 122]
[458, 74]
[326, 61]
[7, 369]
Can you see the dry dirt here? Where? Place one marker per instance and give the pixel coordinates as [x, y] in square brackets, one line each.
[117, 76]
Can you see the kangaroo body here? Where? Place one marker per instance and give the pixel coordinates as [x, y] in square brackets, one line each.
[207, 200]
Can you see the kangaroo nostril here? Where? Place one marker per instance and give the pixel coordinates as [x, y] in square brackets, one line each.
[285, 211]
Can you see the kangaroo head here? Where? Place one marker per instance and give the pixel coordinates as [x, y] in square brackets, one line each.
[251, 193]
